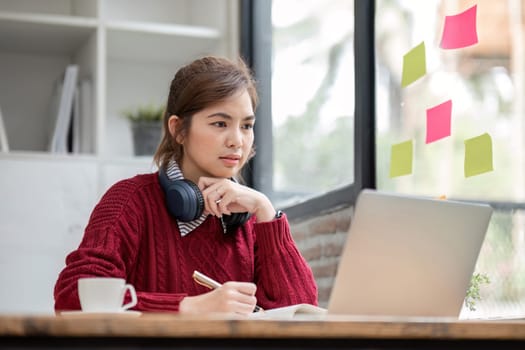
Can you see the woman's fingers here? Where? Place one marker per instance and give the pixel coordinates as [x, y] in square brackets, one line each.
[223, 196]
[245, 288]
[231, 297]
[212, 194]
[241, 296]
[213, 198]
[218, 195]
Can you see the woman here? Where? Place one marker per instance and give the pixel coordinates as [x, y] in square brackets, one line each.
[237, 237]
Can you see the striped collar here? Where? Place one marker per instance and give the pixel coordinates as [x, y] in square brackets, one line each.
[174, 173]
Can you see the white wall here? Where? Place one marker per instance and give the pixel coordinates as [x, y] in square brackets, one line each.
[44, 207]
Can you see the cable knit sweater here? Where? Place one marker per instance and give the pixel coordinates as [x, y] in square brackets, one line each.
[131, 235]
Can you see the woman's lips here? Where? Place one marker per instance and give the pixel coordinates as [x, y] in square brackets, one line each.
[230, 160]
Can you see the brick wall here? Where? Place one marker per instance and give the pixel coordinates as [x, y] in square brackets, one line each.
[321, 240]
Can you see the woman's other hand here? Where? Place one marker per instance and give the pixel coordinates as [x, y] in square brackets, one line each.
[231, 297]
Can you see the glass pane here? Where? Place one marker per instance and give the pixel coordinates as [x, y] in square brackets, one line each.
[503, 262]
[312, 97]
[485, 83]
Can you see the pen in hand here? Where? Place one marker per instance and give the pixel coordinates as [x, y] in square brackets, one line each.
[206, 281]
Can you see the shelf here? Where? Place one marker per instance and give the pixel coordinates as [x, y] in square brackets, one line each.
[153, 42]
[44, 34]
[166, 29]
[52, 7]
[28, 156]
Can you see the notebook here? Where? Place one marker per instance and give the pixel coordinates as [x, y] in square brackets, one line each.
[405, 256]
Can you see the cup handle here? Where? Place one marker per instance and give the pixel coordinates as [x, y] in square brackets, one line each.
[133, 294]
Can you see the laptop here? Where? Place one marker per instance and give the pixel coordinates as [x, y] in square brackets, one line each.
[408, 256]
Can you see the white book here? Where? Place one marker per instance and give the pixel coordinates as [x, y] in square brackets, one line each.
[58, 142]
[75, 119]
[87, 118]
[307, 311]
[4, 145]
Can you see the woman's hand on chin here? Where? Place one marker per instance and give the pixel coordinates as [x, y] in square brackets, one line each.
[223, 196]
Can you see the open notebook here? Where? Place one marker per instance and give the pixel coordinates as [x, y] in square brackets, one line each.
[404, 256]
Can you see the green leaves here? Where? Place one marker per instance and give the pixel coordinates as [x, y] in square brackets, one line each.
[473, 294]
[149, 112]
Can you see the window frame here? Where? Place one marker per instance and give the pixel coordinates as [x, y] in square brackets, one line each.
[256, 49]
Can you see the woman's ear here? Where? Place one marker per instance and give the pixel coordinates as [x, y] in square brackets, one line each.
[174, 123]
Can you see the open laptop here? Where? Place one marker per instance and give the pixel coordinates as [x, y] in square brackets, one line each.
[408, 256]
[404, 256]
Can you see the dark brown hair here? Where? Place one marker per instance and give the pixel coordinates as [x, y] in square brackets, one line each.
[196, 86]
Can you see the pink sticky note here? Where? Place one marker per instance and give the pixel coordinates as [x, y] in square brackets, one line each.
[460, 30]
[438, 121]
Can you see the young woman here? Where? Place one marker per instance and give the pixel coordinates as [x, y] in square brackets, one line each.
[154, 234]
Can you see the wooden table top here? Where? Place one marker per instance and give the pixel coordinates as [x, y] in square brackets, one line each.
[172, 326]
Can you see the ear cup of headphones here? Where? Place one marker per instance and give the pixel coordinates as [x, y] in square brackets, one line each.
[235, 219]
[185, 202]
[183, 198]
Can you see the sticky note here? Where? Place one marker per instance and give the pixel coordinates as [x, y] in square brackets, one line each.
[414, 65]
[460, 30]
[401, 159]
[438, 121]
[478, 155]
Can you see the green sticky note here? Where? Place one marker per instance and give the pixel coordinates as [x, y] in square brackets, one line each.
[414, 65]
[478, 155]
[401, 159]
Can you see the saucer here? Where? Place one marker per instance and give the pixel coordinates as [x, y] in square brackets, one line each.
[101, 313]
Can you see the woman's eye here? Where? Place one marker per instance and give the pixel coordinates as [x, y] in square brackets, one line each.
[220, 124]
[248, 126]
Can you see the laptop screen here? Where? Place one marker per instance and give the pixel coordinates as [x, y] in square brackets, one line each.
[408, 256]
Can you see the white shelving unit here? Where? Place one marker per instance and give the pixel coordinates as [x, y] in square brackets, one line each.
[128, 52]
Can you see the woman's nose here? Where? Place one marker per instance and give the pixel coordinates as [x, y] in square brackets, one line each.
[234, 138]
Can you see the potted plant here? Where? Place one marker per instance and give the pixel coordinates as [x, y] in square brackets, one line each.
[146, 127]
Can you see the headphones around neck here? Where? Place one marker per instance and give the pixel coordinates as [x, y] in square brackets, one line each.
[186, 203]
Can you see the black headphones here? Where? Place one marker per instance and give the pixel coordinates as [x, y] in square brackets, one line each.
[185, 202]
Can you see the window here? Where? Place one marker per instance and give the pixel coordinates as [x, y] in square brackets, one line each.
[307, 120]
[312, 97]
[485, 83]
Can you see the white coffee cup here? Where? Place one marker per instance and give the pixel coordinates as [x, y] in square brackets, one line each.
[105, 294]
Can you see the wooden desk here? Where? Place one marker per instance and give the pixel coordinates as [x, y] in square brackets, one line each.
[161, 331]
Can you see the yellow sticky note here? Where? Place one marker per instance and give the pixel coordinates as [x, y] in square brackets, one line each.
[478, 155]
[401, 159]
[414, 65]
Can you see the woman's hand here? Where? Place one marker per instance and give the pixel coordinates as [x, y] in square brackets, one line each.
[231, 297]
[223, 196]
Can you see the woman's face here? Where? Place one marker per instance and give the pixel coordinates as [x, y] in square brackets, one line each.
[220, 139]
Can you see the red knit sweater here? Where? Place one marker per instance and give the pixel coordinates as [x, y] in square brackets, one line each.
[131, 235]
